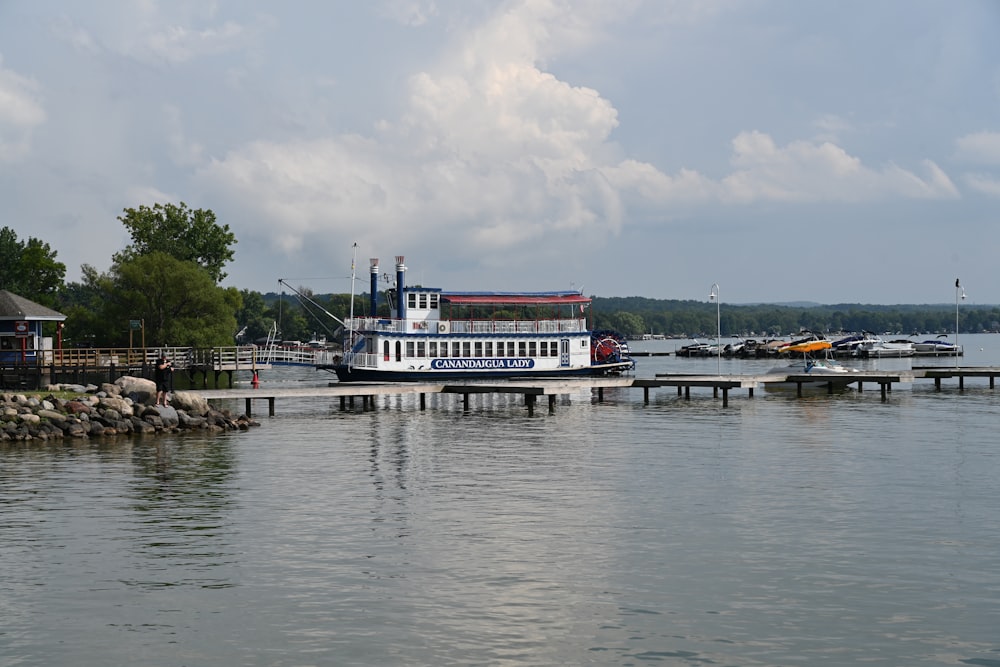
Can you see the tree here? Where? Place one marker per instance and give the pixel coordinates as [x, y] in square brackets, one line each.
[30, 269]
[252, 318]
[178, 302]
[185, 234]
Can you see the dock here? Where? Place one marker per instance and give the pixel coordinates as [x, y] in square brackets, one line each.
[350, 394]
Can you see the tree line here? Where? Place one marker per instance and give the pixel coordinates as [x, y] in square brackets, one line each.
[167, 279]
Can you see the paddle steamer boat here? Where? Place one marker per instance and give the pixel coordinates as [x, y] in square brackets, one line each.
[433, 334]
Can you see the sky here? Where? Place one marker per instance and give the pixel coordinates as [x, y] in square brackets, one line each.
[832, 152]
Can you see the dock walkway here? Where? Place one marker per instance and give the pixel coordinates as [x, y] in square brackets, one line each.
[349, 393]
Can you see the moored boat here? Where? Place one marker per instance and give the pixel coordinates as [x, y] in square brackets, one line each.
[433, 334]
[939, 346]
[826, 370]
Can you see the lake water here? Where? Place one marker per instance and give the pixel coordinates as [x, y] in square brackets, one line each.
[834, 530]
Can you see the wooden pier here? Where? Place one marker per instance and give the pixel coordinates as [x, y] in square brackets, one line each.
[349, 394]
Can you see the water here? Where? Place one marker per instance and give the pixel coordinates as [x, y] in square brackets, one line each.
[833, 530]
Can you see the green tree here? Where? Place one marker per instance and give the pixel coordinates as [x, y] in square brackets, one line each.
[252, 318]
[178, 302]
[30, 269]
[185, 234]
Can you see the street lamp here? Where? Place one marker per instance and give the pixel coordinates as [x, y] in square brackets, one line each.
[714, 296]
[958, 289]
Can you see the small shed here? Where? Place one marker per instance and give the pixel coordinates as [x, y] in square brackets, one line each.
[21, 321]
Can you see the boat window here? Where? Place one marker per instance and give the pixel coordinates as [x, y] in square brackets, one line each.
[532, 352]
[434, 300]
[456, 350]
[423, 301]
[411, 300]
[385, 350]
[444, 350]
[399, 350]
[543, 348]
[489, 348]
[432, 348]
[510, 348]
[409, 349]
[466, 349]
[421, 352]
[479, 348]
[522, 349]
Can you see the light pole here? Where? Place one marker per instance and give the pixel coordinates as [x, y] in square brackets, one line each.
[714, 296]
[958, 290]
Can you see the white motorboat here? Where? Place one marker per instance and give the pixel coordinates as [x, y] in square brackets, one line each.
[937, 346]
[826, 371]
[876, 348]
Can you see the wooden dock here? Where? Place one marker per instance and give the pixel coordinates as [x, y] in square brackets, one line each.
[349, 394]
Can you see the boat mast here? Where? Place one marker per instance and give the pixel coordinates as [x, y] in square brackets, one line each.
[350, 327]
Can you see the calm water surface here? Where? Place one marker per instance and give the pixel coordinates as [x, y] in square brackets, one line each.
[833, 530]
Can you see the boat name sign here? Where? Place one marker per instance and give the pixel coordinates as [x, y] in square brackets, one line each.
[463, 364]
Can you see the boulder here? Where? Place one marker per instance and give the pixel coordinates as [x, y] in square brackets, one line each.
[141, 389]
[190, 402]
[119, 405]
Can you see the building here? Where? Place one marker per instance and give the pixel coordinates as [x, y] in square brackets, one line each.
[21, 340]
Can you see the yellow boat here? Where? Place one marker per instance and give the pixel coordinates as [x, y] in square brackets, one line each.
[808, 346]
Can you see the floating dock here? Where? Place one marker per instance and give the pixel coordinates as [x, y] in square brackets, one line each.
[349, 394]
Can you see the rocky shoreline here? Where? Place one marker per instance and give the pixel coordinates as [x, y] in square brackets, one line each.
[124, 407]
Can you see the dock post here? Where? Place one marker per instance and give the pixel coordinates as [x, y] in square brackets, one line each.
[687, 392]
[249, 412]
[529, 400]
[937, 384]
[465, 402]
[884, 391]
[423, 401]
[680, 390]
[725, 397]
[645, 395]
[961, 383]
[343, 402]
[552, 403]
[270, 406]
[600, 394]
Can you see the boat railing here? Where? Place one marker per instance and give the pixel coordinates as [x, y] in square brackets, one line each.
[361, 359]
[461, 326]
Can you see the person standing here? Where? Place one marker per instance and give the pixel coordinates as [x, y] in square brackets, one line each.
[161, 374]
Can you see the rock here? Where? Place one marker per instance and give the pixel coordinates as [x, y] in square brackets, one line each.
[144, 390]
[189, 401]
[168, 416]
[77, 407]
[119, 405]
[51, 415]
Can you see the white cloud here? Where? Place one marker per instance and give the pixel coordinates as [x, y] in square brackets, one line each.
[983, 183]
[409, 12]
[21, 111]
[980, 147]
[808, 171]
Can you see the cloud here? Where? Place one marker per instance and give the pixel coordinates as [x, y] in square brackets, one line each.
[809, 171]
[983, 183]
[21, 111]
[979, 147]
[491, 152]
